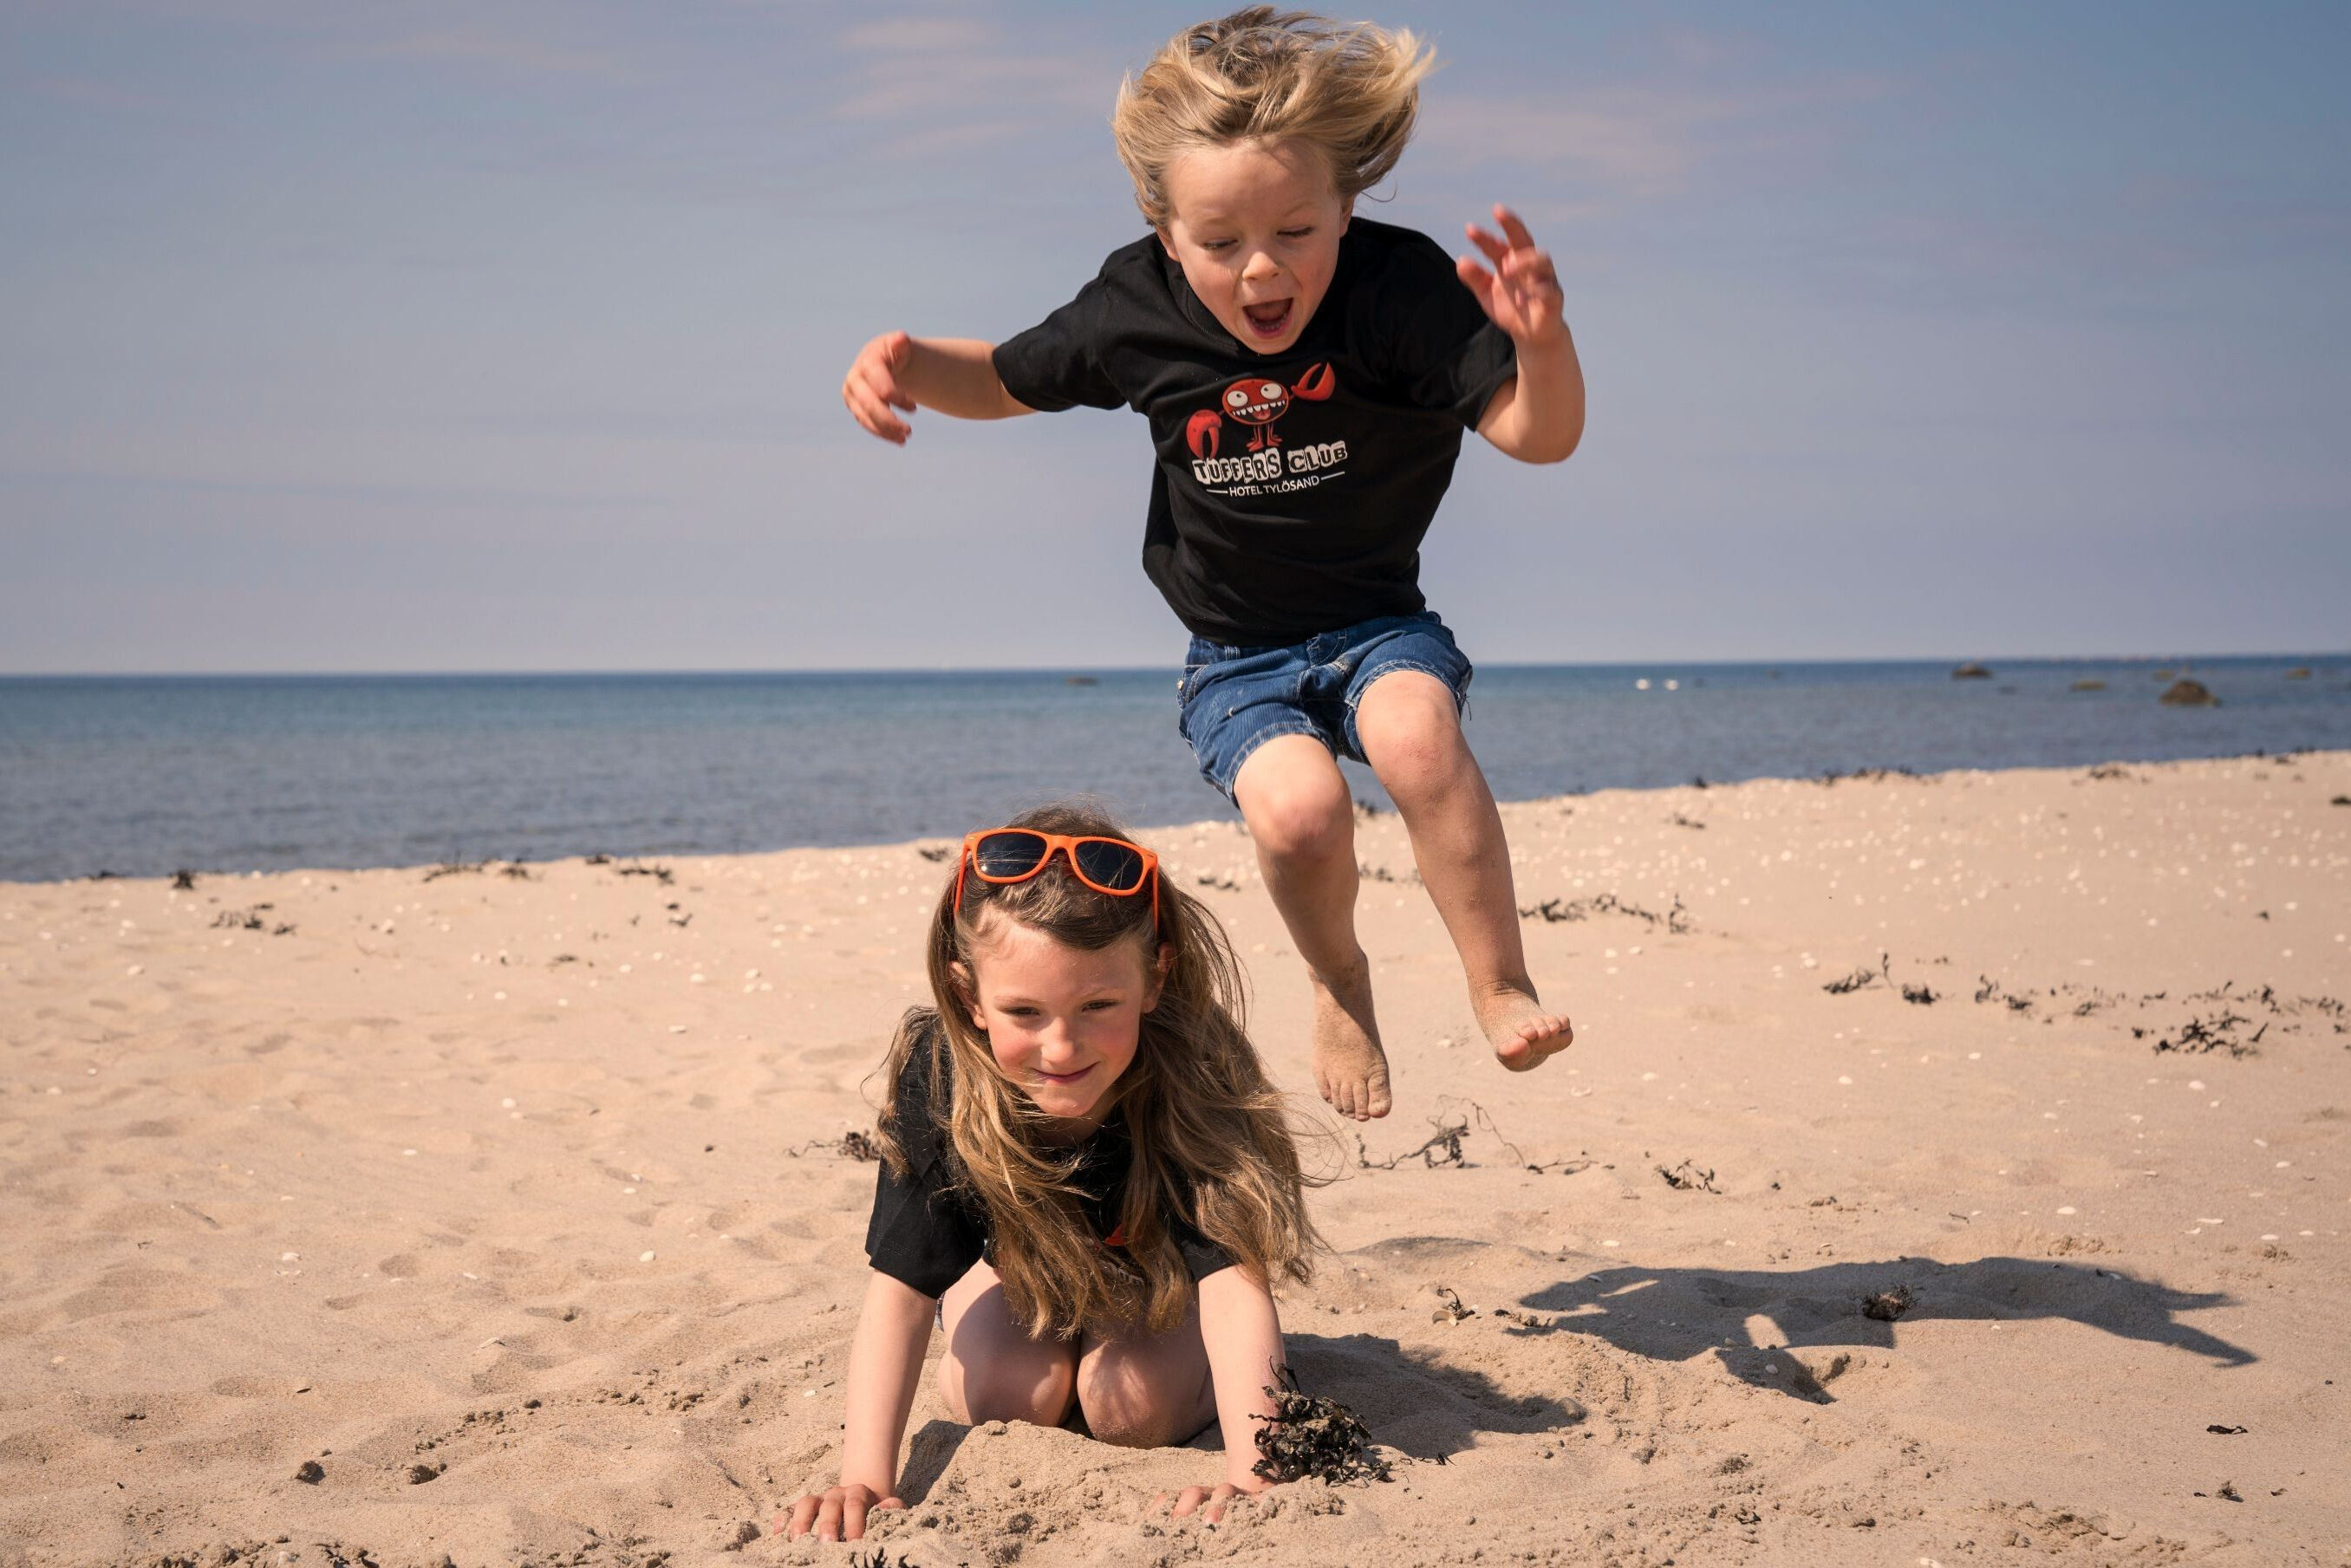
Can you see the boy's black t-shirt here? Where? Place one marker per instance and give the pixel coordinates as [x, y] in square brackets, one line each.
[1292, 491]
[927, 1229]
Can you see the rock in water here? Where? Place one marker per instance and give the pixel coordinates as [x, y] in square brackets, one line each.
[1970, 671]
[2186, 692]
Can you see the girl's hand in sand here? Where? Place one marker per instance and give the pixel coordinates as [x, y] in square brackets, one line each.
[1208, 1502]
[838, 1515]
[873, 390]
[1521, 293]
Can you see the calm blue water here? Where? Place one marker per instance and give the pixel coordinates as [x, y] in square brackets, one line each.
[144, 776]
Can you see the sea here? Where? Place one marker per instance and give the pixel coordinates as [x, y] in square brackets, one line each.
[145, 776]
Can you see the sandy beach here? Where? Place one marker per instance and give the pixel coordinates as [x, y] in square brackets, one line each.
[503, 1215]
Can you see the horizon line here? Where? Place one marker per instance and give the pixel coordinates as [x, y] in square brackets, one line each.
[594, 673]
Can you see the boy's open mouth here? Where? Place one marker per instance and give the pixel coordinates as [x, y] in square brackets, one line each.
[1270, 319]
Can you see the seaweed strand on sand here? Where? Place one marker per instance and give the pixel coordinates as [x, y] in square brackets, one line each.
[1311, 1436]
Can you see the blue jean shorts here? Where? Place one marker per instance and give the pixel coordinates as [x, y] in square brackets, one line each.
[1236, 699]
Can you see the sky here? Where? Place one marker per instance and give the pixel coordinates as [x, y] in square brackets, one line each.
[474, 336]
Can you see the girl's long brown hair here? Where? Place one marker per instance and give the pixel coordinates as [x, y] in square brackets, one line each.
[1211, 1140]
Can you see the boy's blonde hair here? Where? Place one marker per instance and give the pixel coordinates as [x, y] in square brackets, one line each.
[1351, 93]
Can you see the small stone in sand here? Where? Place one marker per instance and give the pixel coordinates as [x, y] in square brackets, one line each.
[312, 1472]
[644, 1257]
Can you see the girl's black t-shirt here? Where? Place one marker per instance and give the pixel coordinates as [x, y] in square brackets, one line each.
[927, 1229]
[1291, 492]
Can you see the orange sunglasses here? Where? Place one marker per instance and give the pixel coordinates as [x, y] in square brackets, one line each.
[1003, 856]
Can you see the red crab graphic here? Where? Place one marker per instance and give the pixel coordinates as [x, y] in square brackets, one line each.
[1257, 403]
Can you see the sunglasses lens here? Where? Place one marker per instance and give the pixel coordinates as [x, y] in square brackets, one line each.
[1012, 854]
[1110, 864]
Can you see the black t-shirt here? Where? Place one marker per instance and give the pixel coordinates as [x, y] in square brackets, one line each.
[1291, 492]
[927, 1229]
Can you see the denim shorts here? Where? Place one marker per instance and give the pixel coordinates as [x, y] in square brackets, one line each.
[1236, 699]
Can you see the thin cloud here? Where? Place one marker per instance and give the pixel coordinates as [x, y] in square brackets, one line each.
[940, 78]
[473, 45]
[2099, 250]
[90, 93]
[919, 34]
[440, 30]
[1639, 142]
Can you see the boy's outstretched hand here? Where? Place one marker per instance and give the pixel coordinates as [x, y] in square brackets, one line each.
[1521, 293]
[872, 389]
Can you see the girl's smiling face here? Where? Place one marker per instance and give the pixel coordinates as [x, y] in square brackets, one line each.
[1062, 1022]
[1256, 227]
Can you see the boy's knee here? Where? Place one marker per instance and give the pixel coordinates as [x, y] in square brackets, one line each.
[1311, 817]
[1414, 744]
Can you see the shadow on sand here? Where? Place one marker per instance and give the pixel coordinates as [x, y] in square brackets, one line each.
[1417, 1405]
[1673, 1315]
[1428, 1407]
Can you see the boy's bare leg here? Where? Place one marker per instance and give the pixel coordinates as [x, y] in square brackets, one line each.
[1411, 733]
[1303, 821]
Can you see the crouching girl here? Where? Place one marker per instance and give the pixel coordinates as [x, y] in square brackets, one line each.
[1087, 1180]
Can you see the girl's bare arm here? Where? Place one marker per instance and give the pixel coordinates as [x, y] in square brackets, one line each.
[885, 1367]
[896, 374]
[1242, 1333]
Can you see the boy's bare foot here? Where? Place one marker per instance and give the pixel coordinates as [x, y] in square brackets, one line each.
[1350, 1068]
[1521, 1032]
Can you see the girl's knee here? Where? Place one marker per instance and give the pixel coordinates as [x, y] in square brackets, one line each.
[1037, 1394]
[1129, 1417]
[1146, 1402]
[1123, 1428]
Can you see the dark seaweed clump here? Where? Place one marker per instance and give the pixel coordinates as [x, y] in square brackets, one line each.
[852, 1146]
[1310, 1436]
[1887, 1305]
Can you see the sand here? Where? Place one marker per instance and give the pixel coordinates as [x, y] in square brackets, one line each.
[509, 1207]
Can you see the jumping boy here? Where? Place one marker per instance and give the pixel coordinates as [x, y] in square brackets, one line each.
[1307, 375]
